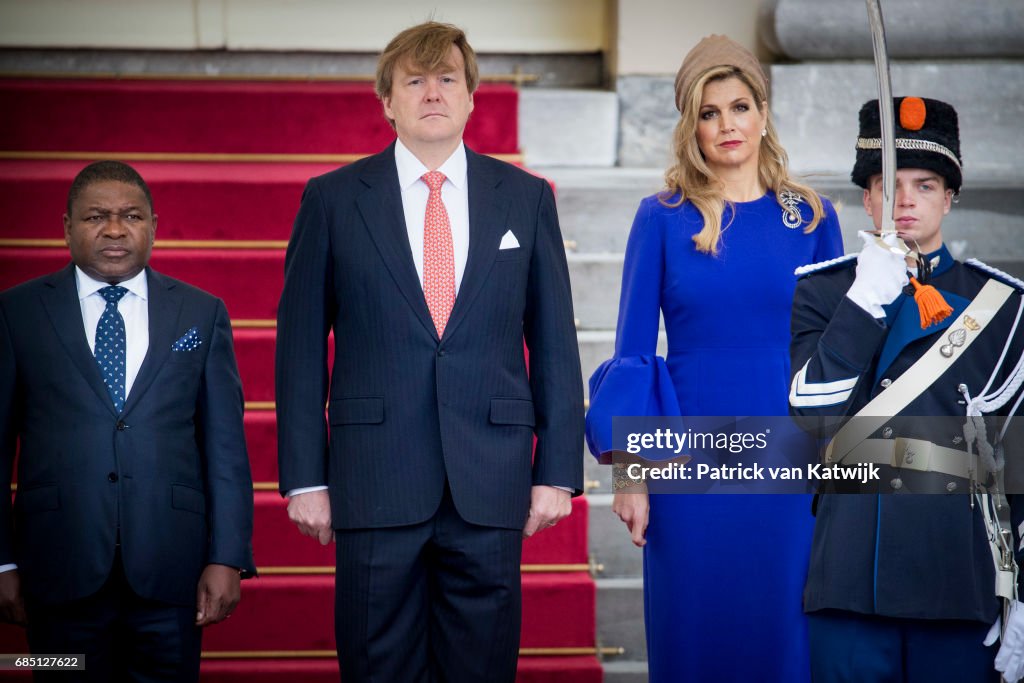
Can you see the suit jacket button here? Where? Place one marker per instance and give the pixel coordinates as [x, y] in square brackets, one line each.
[121, 426]
[112, 477]
[441, 352]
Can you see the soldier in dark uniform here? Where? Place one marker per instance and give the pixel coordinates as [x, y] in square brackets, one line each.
[904, 587]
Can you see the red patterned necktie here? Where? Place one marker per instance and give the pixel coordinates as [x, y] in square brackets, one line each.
[438, 255]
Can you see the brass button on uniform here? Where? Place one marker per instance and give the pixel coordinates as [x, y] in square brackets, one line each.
[887, 433]
[896, 483]
[885, 382]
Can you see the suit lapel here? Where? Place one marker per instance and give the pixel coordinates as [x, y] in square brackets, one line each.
[164, 312]
[381, 208]
[61, 302]
[488, 209]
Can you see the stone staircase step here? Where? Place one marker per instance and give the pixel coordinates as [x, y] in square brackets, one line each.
[815, 107]
[610, 544]
[620, 617]
[648, 119]
[596, 283]
[559, 127]
[596, 206]
[594, 472]
[625, 672]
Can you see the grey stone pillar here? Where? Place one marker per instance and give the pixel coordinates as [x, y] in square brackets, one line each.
[838, 29]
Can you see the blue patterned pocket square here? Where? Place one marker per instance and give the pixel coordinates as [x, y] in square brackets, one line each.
[189, 341]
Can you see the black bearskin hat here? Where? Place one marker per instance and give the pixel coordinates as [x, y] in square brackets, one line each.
[927, 136]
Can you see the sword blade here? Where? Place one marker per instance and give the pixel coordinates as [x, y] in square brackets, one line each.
[885, 115]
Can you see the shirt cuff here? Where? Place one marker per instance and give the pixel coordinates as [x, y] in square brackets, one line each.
[304, 489]
[7, 567]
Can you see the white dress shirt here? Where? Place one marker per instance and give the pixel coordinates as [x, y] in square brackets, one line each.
[454, 194]
[134, 308]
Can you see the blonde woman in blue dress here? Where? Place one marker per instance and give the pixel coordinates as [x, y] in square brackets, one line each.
[715, 252]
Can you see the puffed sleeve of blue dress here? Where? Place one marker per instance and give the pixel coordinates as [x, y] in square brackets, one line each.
[635, 381]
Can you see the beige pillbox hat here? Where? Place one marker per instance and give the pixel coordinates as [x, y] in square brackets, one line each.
[716, 50]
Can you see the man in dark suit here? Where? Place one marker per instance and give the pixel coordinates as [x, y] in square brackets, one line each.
[431, 264]
[132, 522]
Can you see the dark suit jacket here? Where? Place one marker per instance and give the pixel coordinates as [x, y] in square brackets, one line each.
[408, 410]
[171, 470]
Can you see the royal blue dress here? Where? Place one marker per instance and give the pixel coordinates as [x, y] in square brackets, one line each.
[723, 574]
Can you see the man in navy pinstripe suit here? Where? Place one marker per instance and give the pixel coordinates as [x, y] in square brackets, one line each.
[431, 264]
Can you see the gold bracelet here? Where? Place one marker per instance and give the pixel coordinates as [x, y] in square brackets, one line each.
[621, 478]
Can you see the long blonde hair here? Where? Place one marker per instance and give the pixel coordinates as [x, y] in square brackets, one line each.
[690, 178]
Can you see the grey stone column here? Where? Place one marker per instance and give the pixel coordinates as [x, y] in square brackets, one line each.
[838, 29]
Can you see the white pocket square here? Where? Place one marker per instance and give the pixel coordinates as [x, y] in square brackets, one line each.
[508, 241]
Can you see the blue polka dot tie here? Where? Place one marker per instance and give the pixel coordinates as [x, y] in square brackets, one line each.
[111, 346]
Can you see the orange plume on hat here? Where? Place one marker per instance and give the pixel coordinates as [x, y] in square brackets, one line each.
[912, 113]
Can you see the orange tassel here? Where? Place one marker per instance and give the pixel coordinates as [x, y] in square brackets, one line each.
[930, 304]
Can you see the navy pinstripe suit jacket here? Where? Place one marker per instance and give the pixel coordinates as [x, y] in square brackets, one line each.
[406, 410]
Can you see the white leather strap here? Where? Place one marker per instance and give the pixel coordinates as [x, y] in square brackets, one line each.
[915, 454]
[921, 374]
[1002, 553]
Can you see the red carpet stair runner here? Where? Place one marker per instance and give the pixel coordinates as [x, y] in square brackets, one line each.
[221, 117]
[226, 162]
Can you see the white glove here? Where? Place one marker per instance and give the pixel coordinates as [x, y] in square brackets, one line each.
[881, 274]
[1010, 659]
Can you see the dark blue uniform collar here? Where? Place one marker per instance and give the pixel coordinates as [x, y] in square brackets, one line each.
[903, 319]
[944, 263]
[945, 260]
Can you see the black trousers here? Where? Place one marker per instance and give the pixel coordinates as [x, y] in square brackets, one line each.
[123, 636]
[434, 602]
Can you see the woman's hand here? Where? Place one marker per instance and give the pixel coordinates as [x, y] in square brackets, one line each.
[632, 506]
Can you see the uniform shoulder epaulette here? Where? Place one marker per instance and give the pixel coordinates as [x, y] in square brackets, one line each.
[995, 273]
[825, 266]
